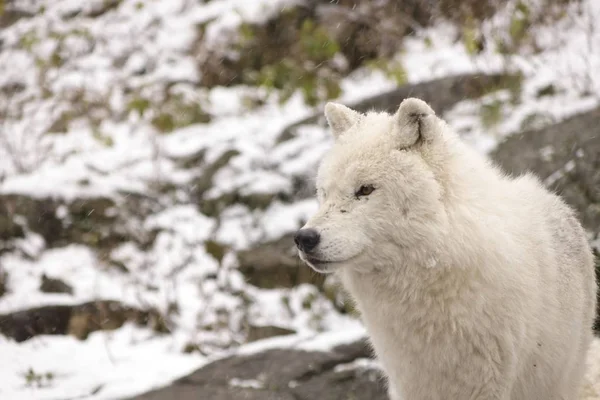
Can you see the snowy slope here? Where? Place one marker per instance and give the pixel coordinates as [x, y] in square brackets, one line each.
[114, 152]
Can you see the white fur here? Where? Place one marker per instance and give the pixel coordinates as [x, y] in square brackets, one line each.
[472, 284]
[591, 385]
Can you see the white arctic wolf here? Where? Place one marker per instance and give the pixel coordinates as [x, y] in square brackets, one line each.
[472, 284]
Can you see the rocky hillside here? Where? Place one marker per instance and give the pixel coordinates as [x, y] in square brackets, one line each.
[155, 157]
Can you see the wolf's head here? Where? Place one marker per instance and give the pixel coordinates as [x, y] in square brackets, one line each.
[380, 190]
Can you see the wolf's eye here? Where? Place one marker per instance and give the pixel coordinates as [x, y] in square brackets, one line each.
[365, 190]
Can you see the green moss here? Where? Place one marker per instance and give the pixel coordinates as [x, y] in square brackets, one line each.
[56, 60]
[28, 40]
[470, 38]
[316, 43]
[428, 42]
[252, 102]
[106, 140]
[397, 72]
[37, 379]
[309, 87]
[173, 112]
[303, 68]
[190, 114]
[519, 26]
[307, 302]
[512, 83]
[256, 201]
[164, 123]
[519, 23]
[279, 75]
[190, 348]
[491, 113]
[247, 33]
[393, 69]
[138, 104]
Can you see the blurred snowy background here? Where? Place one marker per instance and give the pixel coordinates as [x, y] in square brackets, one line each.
[156, 155]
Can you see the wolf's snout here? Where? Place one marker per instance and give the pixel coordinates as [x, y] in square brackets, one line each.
[307, 239]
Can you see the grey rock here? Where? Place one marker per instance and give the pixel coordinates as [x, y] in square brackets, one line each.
[256, 332]
[281, 374]
[441, 94]
[54, 285]
[276, 264]
[566, 156]
[3, 282]
[78, 320]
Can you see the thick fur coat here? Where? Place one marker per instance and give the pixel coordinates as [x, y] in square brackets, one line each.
[473, 285]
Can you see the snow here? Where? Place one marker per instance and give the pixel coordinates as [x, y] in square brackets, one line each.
[112, 365]
[103, 58]
[366, 363]
[246, 383]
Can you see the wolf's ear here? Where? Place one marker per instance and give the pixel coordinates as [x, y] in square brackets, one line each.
[340, 118]
[414, 121]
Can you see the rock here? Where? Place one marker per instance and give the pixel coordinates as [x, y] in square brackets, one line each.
[93, 10]
[254, 201]
[53, 285]
[276, 264]
[3, 282]
[97, 9]
[256, 332]
[441, 94]
[282, 374]
[566, 156]
[9, 16]
[9, 228]
[315, 32]
[59, 222]
[203, 182]
[98, 222]
[77, 320]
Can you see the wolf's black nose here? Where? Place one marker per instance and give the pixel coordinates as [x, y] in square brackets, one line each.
[307, 239]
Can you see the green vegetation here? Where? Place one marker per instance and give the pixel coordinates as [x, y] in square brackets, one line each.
[520, 22]
[38, 380]
[471, 36]
[306, 69]
[491, 113]
[28, 40]
[174, 112]
[393, 69]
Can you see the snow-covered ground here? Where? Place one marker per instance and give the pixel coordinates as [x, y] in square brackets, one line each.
[157, 35]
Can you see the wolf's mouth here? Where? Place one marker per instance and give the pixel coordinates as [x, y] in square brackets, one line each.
[319, 265]
[314, 260]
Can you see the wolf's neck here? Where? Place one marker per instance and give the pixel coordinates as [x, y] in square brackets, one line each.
[387, 293]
